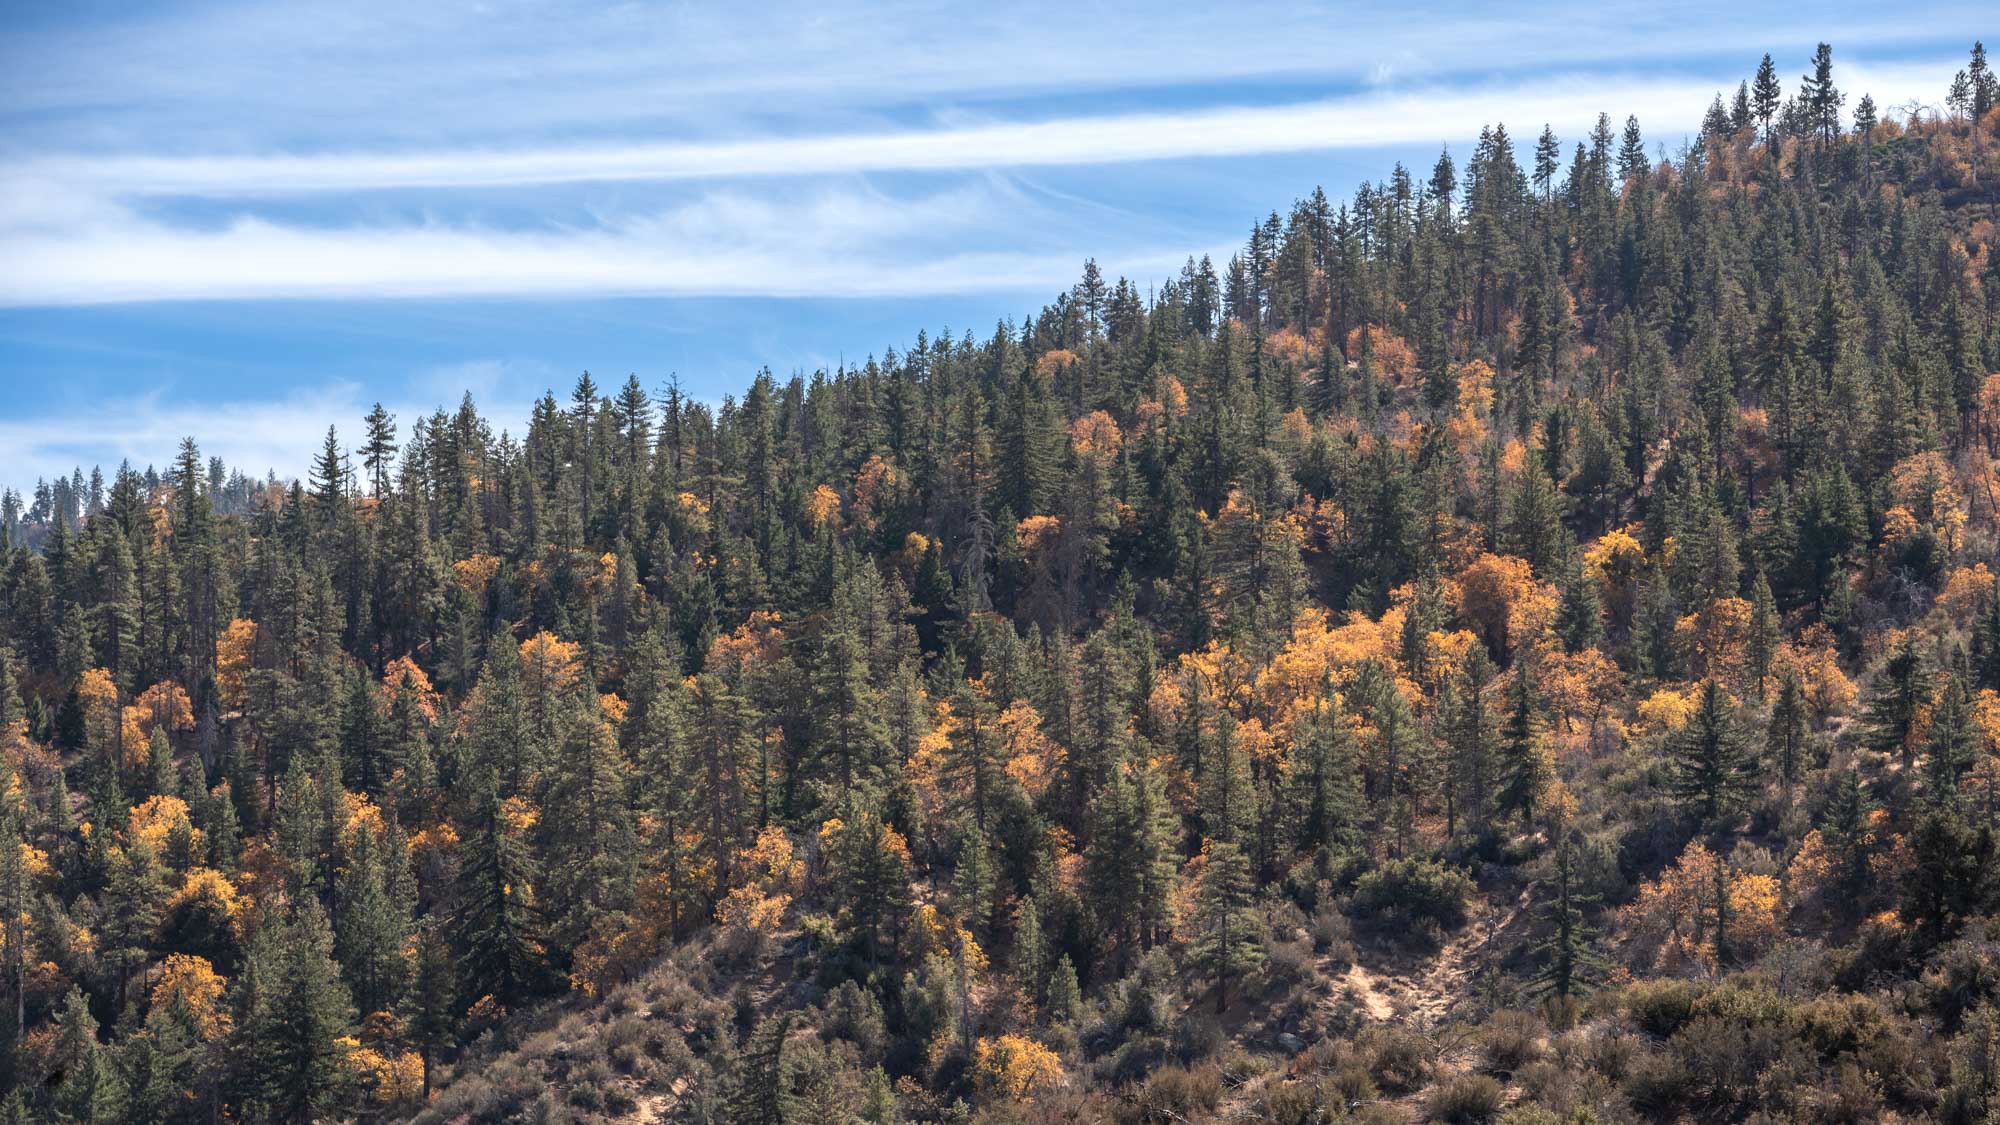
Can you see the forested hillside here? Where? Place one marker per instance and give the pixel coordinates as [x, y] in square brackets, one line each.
[1522, 643]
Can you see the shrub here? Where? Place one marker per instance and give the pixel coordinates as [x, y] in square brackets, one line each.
[1613, 1055]
[1198, 1037]
[1724, 1058]
[1332, 933]
[1406, 892]
[1178, 1094]
[1401, 1060]
[1286, 963]
[1294, 1103]
[1354, 1083]
[1464, 1099]
[1658, 1085]
[1509, 1041]
[1661, 1007]
[1837, 1025]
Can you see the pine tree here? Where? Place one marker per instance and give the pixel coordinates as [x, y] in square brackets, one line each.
[1579, 613]
[760, 1091]
[1128, 865]
[1950, 745]
[591, 841]
[1065, 999]
[299, 1021]
[871, 873]
[496, 927]
[1632, 161]
[1951, 876]
[379, 448]
[1226, 795]
[134, 896]
[1713, 771]
[14, 890]
[1534, 521]
[1328, 798]
[1029, 958]
[974, 766]
[88, 1090]
[431, 1003]
[1525, 765]
[1787, 738]
[1548, 156]
[369, 941]
[1471, 738]
[1848, 833]
[1765, 633]
[329, 480]
[1568, 960]
[973, 882]
[1986, 640]
[878, 1100]
[1229, 940]
[1765, 94]
[1819, 98]
[1895, 705]
[847, 705]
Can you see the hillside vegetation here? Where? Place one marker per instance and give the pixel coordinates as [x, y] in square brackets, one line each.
[1520, 644]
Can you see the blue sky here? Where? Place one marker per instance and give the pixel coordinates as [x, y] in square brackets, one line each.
[244, 220]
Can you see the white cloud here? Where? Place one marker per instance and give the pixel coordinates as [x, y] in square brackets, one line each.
[1378, 119]
[253, 259]
[255, 436]
[249, 74]
[834, 242]
[559, 98]
[74, 233]
[252, 436]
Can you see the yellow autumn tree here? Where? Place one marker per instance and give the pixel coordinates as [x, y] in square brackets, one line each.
[97, 695]
[475, 574]
[1667, 710]
[1096, 435]
[877, 485]
[1964, 591]
[1499, 599]
[401, 671]
[155, 818]
[1672, 924]
[823, 507]
[1812, 657]
[1617, 562]
[771, 872]
[1032, 758]
[192, 983]
[549, 665]
[233, 652]
[1016, 1067]
[1715, 639]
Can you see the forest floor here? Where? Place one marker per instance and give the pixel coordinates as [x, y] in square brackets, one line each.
[1416, 990]
[1419, 992]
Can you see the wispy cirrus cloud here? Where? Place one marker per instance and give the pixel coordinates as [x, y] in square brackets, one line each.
[246, 75]
[1375, 119]
[824, 242]
[77, 231]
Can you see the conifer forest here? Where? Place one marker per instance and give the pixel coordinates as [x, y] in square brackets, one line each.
[1519, 643]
